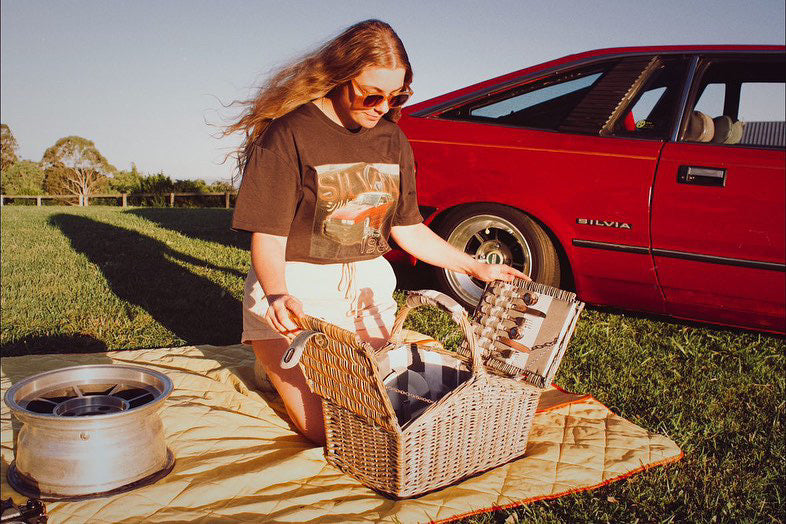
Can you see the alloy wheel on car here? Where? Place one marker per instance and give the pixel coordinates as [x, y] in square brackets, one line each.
[496, 234]
[490, 239]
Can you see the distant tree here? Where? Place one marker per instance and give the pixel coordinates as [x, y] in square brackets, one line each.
[24, 177]
[73, 166]
[191, 186]
[221, 186]
[158, 183]
[126, 181]
[8, 147]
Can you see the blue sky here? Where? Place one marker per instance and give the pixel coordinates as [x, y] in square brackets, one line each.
[145, 79]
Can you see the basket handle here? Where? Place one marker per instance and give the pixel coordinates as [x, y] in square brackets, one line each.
[429, 297]
[295, 350]
[341, 369]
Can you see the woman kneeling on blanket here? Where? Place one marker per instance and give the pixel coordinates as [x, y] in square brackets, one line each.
[328, 178]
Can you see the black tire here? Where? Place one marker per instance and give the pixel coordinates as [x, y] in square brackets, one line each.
[498, 234]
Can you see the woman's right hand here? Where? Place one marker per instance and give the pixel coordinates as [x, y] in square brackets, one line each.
[280, 307]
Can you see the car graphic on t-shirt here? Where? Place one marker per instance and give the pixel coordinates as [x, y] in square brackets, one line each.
[359, 219]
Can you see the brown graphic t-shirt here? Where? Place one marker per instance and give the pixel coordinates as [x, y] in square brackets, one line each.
[333, 192]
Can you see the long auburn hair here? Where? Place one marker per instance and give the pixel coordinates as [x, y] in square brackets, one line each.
[368, 43]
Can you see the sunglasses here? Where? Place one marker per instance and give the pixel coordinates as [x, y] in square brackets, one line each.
[370, 100]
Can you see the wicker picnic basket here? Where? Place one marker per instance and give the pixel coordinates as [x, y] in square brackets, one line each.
[482, 423]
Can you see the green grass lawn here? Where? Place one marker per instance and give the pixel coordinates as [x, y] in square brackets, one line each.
[96, 279]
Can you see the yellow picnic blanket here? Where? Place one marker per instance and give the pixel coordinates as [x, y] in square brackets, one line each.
[238, 460]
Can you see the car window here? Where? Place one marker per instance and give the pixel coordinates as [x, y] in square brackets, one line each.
[739, 102]
[539, 96]
[762, 101]
[540, 104]
[367, 199]
[643, 108]
[653, 110]
[711, 101]
[588, 100]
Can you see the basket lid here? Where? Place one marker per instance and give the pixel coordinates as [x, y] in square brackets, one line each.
[524, 328]
[342, 369]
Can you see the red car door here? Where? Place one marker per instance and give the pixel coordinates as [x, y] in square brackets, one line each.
[718, 218]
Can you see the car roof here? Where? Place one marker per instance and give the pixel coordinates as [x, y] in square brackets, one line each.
[586, 56]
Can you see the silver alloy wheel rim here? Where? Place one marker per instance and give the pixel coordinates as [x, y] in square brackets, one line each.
[479, 236]
[89, 431]
[47, 395]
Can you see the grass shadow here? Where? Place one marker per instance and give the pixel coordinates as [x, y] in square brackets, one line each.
[58, 346]
[143, 271]
[40, 345]
[212, 225]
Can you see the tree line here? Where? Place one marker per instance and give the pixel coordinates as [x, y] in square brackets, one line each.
[74, 166]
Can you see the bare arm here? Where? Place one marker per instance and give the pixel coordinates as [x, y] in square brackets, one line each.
[422, 243]
[268, 260]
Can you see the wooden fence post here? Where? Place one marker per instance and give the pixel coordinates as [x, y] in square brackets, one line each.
[125, 201]
[171, 200]
[226, 199]
[38, 201]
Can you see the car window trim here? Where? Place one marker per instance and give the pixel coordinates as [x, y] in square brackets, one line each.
[682, 107]
[438, 109]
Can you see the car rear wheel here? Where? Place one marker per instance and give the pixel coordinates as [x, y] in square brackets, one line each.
[497, 235]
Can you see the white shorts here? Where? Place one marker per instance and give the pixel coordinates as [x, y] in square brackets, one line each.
[369, 310]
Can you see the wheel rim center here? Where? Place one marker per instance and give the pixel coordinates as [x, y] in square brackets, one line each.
[493, 252]
[90, 405]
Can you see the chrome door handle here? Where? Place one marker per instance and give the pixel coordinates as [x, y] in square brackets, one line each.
[701, 176]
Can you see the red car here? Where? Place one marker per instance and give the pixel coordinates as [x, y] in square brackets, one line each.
[648, 178]
[358, 219]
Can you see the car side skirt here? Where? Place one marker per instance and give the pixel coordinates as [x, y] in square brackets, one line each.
[754, 264]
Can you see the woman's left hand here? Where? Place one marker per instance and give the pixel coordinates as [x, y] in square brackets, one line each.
[489, 272]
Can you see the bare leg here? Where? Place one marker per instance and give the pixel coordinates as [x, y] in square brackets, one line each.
[303, 406]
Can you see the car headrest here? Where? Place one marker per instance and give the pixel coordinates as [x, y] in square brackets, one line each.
[723, 125]
[700, 128]
[736, 132]
[727, 130]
